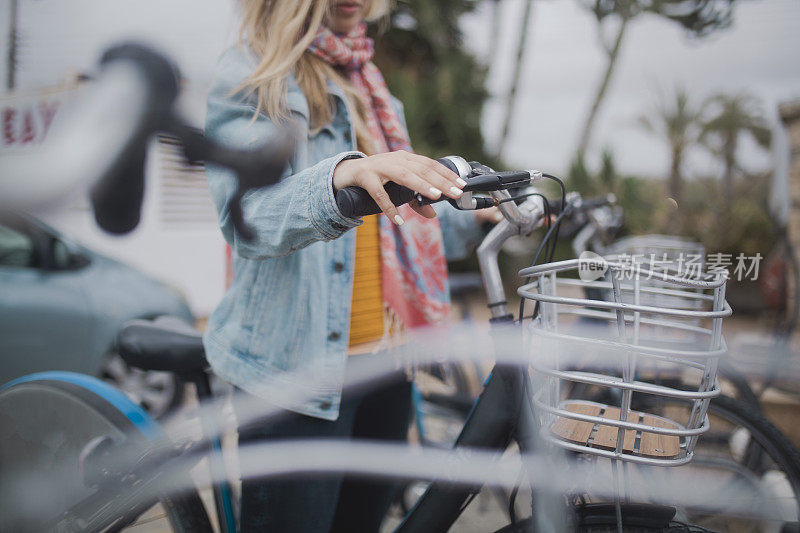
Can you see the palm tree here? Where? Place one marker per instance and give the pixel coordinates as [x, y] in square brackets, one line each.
[698, 17]
[731, 118]
[512, 92]
[677, 123]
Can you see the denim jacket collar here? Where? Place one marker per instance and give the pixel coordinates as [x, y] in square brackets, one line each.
[297, 101]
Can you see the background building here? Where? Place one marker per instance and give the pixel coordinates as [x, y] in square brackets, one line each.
[790, 116]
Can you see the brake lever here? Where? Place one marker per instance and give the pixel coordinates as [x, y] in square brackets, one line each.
[486, 182]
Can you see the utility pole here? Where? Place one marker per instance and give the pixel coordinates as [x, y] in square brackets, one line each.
[11, 60]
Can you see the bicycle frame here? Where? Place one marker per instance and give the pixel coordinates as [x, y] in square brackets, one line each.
[497, 418]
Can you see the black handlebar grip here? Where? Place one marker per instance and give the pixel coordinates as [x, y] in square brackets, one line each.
[355, 202]
[160, 75]
[117, 197]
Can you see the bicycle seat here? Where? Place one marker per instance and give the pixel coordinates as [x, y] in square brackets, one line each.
[166, 343]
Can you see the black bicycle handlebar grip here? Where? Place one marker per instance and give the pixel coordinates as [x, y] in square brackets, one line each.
[117, 197]
[355, 202]
[160, 75]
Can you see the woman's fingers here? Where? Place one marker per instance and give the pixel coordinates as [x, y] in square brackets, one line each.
[435, 166]
[401, 174]
[372, 184]
[421, 174]
[491, 214]
[425, 210]
[435, 179]
[439, 176]
[421, 178]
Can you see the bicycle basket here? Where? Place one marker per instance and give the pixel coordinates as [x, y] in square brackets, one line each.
[600, 363]
[679, 255]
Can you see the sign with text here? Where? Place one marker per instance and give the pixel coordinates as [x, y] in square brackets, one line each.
[26, 116]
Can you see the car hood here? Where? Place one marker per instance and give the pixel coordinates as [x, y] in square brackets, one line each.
[125, 292]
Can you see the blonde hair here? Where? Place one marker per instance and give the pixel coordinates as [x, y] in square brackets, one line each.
[279, 33]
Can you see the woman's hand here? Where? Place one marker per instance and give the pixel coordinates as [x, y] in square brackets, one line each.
[419, 173]
[491, 214]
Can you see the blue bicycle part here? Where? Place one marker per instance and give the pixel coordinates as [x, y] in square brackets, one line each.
[47, 420]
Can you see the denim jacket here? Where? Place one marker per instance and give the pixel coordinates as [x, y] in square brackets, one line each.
[283, 323]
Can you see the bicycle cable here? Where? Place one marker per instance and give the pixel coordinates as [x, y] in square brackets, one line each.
[549, 247]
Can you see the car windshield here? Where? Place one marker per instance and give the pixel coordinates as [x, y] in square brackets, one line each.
[16, 249]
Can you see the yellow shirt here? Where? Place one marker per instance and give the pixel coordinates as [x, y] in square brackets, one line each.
[366, 315]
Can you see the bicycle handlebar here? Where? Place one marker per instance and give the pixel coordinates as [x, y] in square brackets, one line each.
[356, 202]
[111, 197]
[86, 138]
[583, 204]
[117, 196]
[101, 140]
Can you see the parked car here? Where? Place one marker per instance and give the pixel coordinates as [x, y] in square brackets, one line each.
[61, 306]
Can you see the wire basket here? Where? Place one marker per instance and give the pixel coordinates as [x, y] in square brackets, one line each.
[677, 255]
[662, 246]
[599, 363]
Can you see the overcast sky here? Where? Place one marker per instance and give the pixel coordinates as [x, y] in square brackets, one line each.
[562, 63]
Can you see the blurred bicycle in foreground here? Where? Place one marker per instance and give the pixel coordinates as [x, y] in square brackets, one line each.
[77, 455]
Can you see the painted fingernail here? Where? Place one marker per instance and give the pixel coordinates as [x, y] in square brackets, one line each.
[399, 220]
[436, 192]
[456, 191]
[498, 217]
[461, 182]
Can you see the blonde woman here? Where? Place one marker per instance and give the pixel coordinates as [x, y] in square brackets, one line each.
[311, 289]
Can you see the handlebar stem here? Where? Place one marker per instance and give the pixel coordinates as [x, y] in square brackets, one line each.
[520, 220]
[525, 220]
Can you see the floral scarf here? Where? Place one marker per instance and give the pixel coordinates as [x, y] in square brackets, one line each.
[414, 271]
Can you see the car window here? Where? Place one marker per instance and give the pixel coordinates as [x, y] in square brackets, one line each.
[61, 255]
[16, 249]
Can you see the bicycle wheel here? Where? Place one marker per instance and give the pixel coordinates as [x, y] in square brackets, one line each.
[742, 440]
[745, 454]
[741, 446]
[47, 419]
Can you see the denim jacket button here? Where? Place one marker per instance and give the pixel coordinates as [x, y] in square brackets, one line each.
[338, 266]
[334, 336]
[325, 406]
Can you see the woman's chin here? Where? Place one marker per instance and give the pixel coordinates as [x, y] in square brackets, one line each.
[343, 25]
